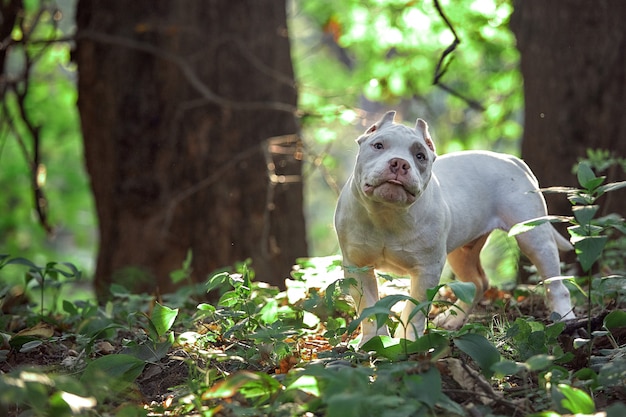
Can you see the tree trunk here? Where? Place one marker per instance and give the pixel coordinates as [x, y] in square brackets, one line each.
[187, 112]
[573, 60]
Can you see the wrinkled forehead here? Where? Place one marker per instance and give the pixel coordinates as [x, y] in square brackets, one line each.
[396, 134]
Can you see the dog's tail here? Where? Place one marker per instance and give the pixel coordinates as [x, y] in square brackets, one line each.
[563, 244]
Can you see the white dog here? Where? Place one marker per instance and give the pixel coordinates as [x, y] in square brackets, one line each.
[404, 210]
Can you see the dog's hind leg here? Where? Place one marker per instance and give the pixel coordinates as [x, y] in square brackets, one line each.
[541, 245]
[465, 263]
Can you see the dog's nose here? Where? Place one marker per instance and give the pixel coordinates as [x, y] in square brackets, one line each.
[399, 165]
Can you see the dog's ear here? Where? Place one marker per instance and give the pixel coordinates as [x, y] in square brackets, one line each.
[422, 127]
[386, 119]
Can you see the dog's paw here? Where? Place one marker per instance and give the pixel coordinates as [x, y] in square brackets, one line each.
[451, 319]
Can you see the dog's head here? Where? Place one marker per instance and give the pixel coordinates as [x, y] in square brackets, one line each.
[394, 162]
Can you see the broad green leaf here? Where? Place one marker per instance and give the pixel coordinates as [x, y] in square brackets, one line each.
[615, 319]
[72, 273]
[576, 400]
[539, 362]
[480, 349]
[589, 249]
[434, 343]
[229, 299]
[424, 387]
[23, 262]
[305, 383]
[577, 231]
[116, 371]
[217, 280]
[395, 350]
[465, 291]
[506, 367]
[386, 347]
[586, 176]
[269, 312]
[584, 214]
[163, 318]
[148, 352]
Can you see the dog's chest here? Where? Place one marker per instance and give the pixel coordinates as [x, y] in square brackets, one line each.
[398, 255]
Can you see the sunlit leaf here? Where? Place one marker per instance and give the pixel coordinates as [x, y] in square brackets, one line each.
[576, 400]
[163, 318]
[611, 187]
[531, 224]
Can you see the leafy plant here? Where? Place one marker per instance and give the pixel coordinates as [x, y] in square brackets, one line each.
[44, 277]
[589, 235]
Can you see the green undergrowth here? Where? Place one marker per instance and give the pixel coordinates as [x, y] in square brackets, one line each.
[259, 351]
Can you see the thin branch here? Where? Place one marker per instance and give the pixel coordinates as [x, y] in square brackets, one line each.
[40, 201]
[187, 71]
[442, 64]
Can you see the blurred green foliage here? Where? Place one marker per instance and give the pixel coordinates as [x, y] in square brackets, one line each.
[350, 54]
[49, 103]
[356, 59]
[352, 59]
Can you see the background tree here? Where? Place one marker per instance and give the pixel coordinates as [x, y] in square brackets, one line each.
[187, 113]
[572, 60]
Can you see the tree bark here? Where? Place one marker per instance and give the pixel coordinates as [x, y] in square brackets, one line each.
[187, 113]
[573, 61]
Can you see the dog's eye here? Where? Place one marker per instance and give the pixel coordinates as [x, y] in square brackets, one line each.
[420, 156]
[378, 146]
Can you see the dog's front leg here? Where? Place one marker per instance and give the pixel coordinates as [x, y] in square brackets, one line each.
[412, 321]
[365, 294]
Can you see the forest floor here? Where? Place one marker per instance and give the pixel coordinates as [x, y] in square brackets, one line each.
[207, 366]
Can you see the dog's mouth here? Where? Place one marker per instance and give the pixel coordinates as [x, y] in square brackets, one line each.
[369, 188]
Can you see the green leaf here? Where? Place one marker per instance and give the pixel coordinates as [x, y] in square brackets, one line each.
[269, 312]
[615, 319]
[480, 349]
[586, 177]
[381, 311]
[386, 347]
[584, 214]
[539, 362]
[576, 401]
[305, 383]
[531, 224]
[23, 262]
[393, 350]
[163, 318]
[148, 352]
[73, 271]
[589, 249]
[116, 371]
[611, 187]
[465, 291]
[506, 367]
[424, 387]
